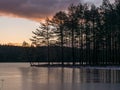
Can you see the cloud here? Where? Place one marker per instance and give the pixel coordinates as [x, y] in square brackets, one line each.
[36, 9]
[96, 2]
[33, 9]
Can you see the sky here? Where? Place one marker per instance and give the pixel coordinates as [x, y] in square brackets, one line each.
[18, 18]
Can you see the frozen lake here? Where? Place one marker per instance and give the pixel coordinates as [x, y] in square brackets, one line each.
[20, 76]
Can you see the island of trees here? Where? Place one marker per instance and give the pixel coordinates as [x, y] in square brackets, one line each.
[82, 35]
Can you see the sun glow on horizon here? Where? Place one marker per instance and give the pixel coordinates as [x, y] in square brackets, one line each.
[16, 30]
[17, 24]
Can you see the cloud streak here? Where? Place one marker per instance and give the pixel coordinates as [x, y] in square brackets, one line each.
[35, 9]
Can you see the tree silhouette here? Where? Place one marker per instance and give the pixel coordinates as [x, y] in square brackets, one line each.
[85, 33]
[43, 36]
[72, 25]
[59, 20]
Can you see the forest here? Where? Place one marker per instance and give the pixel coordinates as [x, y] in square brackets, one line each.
[84, 34]
[91, 33]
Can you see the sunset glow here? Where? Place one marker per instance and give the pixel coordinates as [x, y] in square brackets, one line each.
[18, 18]
[16, 30]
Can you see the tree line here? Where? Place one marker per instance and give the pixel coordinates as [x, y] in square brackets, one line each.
[12, 54]
[91, 33]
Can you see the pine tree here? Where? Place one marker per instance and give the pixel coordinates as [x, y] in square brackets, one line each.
[59, 20]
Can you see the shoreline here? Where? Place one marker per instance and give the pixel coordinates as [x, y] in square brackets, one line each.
[77, 66]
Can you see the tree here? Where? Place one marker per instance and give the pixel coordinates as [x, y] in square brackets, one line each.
[91, 33]
[59, 20]
[108, 29]
[72, 25]
[43, 36]
[25, 44]
[117, 28]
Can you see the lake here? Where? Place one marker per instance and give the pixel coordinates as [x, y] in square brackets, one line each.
[20, 76]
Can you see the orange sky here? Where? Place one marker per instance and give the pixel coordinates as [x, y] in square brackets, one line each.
[18, 18]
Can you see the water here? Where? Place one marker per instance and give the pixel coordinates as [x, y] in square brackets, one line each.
[22, 77]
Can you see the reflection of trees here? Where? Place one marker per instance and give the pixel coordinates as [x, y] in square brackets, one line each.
[34, 78]
[99, 76]
[65, 78]
[25, 78]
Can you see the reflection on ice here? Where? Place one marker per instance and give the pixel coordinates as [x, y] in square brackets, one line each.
[70, 78]
[1, 84]
[43, 78]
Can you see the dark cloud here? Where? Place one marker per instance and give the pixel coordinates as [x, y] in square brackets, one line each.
[36, 9]
[33, 9]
